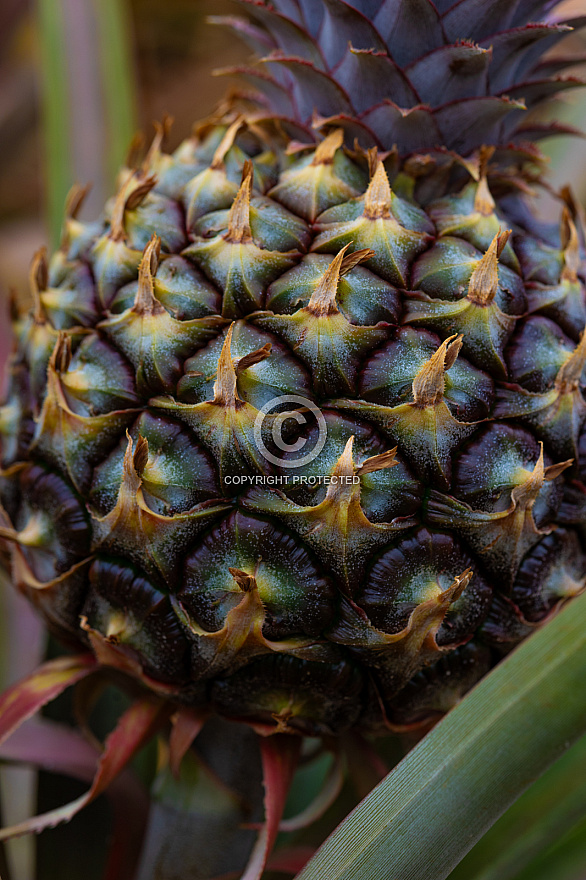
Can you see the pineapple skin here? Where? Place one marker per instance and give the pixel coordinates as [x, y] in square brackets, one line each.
[426, 332]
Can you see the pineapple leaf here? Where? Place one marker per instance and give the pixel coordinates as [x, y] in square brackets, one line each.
[134, 728]
[118, 79]
[553, 808]
[567, 859]
[56, 111]
[455, 784]
[67, 105]
[57, 748]
[26, 697]
[279, 754]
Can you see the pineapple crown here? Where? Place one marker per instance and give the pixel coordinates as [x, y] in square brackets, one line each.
[413, 74]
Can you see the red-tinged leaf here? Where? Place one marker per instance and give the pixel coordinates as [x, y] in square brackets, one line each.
[256, 38]
[186, 726]
[353, 128]
[289, 36]
[409, 28]
[379, 77]
[280, 754]
[325, 798]
[60, 749]
[472, 118]
[343, 24]
[53, 747]
[515, 51]
[134, 728]
[26, 697]
[314, 90]
[475, 18]
[290, 860]
[412, 128]
[462, 69]
[313, 15]
[534, 92]
[278, 97]
[539, 130]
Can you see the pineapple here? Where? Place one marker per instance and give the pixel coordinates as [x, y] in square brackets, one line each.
[294, 431]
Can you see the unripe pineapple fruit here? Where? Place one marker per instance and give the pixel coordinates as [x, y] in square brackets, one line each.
[295, 430]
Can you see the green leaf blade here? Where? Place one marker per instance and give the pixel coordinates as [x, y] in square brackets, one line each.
[428, 813]
[74, 37]
[538, 821]
[55, 109]
[118, 79]
[565, 861]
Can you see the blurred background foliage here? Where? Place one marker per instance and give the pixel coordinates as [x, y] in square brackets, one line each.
[78, 78]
